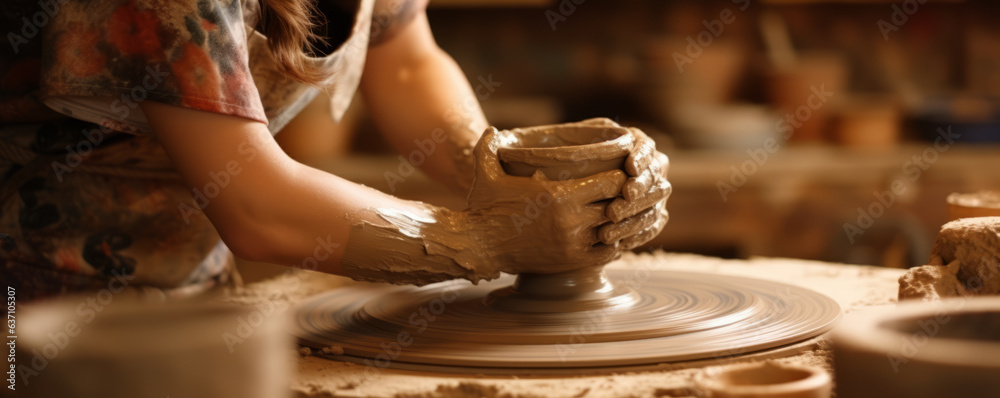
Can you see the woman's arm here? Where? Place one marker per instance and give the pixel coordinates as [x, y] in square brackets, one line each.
[269, 208]
[422, 102]
[266, 206]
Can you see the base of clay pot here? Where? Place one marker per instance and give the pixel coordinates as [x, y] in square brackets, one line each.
[594, 319]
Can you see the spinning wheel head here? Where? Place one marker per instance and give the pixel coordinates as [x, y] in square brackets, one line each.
[618, 320]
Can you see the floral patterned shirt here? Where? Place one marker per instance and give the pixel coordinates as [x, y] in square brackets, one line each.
[88, 194]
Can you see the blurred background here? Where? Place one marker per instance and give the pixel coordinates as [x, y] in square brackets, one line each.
[827, 130]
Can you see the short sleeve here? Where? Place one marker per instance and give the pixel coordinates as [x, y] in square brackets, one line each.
[101, 58]
[284, 98]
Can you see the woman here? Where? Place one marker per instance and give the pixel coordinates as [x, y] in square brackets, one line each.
[137, 133]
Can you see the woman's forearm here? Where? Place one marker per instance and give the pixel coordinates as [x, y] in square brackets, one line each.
[424, 105]
[269, 208]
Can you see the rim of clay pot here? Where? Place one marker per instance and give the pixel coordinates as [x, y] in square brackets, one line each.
[978, 200]
[553, 145]
[928, 326]
[764, 379]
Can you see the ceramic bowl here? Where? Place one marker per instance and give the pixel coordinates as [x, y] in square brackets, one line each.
[946, 348]
[760, 380]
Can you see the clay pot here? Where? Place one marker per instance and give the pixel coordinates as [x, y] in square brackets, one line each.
[948, 348]
[979, 204]
[563, 152]
[143, 349]
[759, 380]
[566, 151]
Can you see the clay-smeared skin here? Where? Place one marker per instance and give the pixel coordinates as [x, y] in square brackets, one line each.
[570, 227]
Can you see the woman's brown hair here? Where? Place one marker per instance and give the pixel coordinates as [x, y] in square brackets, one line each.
[288, 25]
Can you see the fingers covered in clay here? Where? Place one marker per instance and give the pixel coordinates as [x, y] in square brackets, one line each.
[650, 232]
[621, 208]
[636, 187]
[648, 184]
[485, 153]
[595, 188]
[536, 223]
[603, 253]
[614, 232]
[643, 153]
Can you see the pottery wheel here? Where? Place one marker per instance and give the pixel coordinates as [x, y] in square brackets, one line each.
[544, 322]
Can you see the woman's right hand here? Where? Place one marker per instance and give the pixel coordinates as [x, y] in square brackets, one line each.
[534, 224]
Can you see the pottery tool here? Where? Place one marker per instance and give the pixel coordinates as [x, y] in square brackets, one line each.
[584, 320]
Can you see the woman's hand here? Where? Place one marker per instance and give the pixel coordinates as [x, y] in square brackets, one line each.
[641, 211]
[533, 224]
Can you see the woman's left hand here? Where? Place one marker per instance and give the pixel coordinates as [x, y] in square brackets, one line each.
[640, 213]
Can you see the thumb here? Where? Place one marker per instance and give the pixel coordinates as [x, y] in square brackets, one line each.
[488, 166]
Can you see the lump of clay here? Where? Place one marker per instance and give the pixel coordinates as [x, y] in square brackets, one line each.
[931, 282]
[975, 243]
[971, 248]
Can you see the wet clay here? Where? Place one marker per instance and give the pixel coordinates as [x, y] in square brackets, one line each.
[965, 261]
[566, 151]
[419, 247]
[517, 221]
